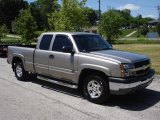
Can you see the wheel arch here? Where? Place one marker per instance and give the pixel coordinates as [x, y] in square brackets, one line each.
[87, 71]
[17, 59]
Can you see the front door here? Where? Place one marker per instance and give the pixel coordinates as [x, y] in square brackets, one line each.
[62, 64]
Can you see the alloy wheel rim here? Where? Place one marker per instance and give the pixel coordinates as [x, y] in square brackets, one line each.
[94, 89]
[19, 71]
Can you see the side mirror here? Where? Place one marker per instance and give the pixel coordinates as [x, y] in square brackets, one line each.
[68, 49]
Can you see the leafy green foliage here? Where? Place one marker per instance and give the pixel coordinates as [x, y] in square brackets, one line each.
[40, 10]
[125, 32]
[39, 18]
[25, 25]
[110, 25]
[71, 16]
[9, 9]
[91, 15]
[3, 31]
[144, 30]
[158, 28]
[126, 14]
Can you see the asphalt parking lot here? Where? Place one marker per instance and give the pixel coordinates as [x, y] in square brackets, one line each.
[38, 100]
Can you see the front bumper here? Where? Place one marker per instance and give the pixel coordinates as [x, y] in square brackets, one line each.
[120, 86]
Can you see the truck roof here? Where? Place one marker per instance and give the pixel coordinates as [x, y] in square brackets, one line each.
[69, 33]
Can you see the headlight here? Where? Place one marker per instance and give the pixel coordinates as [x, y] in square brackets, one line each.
[126, 70]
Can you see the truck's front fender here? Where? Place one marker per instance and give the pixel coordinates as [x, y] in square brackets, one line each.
[94, 67]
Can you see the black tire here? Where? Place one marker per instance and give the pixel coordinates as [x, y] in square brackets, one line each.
[23, 75]
[103, 93]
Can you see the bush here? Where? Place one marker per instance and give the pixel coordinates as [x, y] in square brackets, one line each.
[38, 33]
[3, 31]
[144, 30]
[110, 24]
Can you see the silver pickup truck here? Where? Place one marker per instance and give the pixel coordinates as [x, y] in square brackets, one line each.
[84, 61]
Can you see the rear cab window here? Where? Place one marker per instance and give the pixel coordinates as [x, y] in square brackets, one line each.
[45, 42]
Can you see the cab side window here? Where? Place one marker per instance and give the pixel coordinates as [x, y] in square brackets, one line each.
[61, 41]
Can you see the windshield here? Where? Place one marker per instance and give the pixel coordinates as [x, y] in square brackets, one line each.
[90, 43]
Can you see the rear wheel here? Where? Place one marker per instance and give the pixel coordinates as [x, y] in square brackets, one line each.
[96, 89]
[20, 72]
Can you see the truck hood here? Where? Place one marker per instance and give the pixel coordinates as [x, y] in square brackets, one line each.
[121, 56]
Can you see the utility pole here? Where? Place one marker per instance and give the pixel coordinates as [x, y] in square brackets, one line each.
[99, 1]
[158, 29]
[158, 8]
[138, 26]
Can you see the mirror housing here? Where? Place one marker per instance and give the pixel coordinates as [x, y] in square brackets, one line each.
[68, 49]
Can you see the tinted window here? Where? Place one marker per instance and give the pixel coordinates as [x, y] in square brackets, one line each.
[45, 42]
[61, 41]
[89, 43]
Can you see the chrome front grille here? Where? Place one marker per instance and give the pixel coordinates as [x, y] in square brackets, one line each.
[142, 67]
[142, 63]
[142, 72]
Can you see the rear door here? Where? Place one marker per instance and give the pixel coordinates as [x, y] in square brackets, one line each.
[42, 55]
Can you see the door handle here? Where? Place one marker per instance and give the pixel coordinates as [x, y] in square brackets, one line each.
[51, 56]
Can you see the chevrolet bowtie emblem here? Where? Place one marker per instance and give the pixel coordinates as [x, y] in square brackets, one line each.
[144, 67]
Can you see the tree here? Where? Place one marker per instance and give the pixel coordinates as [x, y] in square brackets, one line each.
[158, 28]
[110, 24]
[144, 30]
[39, 18]
[126, 14]
[71, 16]
[25, 25]
[3, 31]
[91, 15]
[40, 10]
[9, 9]
[138, 23]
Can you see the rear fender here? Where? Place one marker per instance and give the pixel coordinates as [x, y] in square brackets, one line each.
[20, 56]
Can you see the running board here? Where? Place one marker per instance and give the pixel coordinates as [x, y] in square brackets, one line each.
[57, 82]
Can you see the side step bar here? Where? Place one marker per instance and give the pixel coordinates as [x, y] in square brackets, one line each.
[58, 82]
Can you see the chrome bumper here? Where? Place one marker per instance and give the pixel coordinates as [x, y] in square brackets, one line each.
[121, 86]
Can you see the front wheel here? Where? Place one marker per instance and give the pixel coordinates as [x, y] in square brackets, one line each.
[96, 89]
[20, 72]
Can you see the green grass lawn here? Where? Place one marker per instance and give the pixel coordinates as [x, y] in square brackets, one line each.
[10, 39]
[125, 32]
[151, 50]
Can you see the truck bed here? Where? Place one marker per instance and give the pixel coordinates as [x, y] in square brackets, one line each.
[4, 46]
[26, 53]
